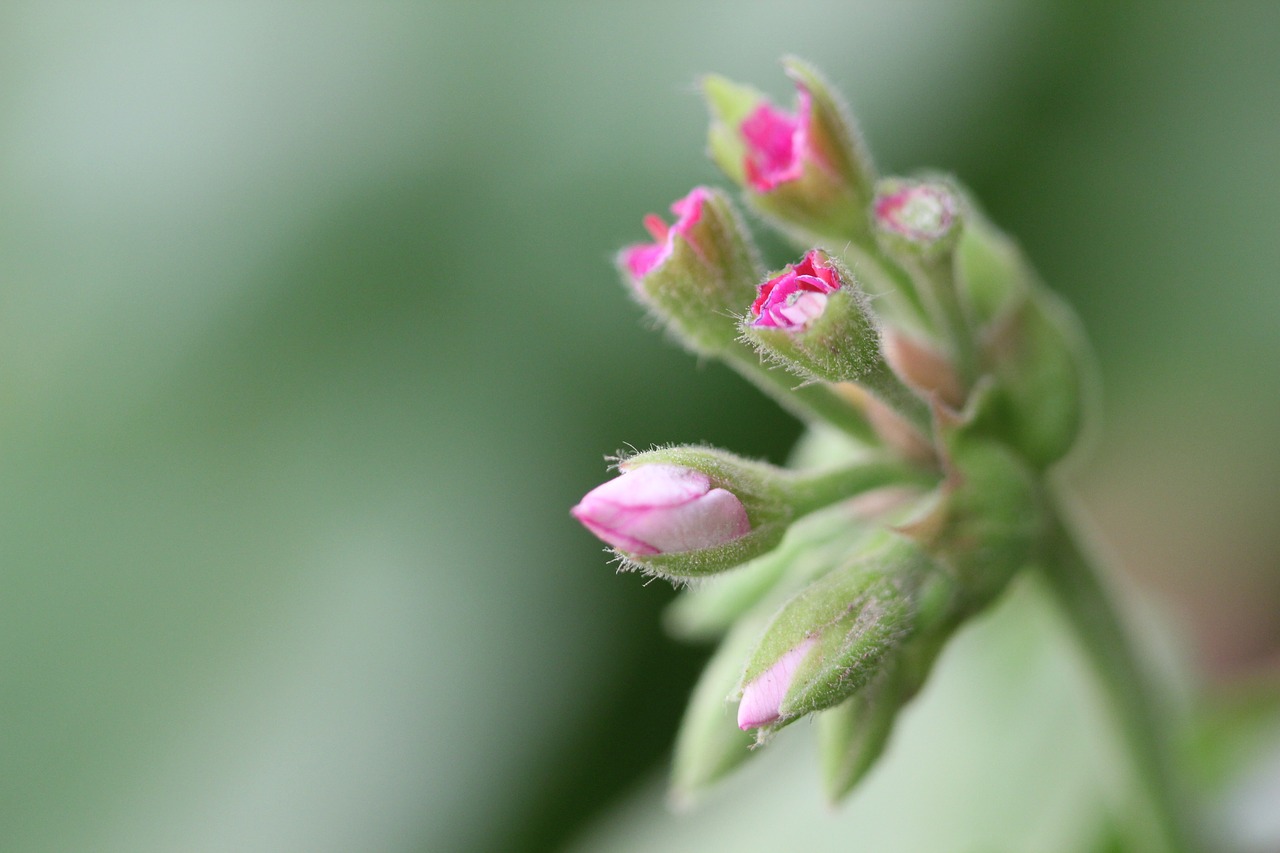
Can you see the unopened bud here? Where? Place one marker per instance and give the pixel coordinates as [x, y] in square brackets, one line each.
[685, 512]
[830, 640]
[917, 216]
[806, 169]
[697, 271]
[658, 509]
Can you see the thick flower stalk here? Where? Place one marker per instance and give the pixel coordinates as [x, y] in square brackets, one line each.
[909, 323]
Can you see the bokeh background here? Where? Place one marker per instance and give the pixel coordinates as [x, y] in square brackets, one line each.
[309, 337]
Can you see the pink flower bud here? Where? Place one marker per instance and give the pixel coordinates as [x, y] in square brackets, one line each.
[920, 212]
[644, 257]
[797, 297]
[762, 697]
[777, 143]
[658, 509]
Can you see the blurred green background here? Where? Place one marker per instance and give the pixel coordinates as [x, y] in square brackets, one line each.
[309, 337]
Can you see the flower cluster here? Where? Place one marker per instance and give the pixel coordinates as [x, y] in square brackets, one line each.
[914, 329]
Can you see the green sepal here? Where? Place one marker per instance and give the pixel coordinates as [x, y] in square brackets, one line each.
[1036, 352]
[704, 282]
[730, 103]
[709, 743]
[990, 268]
[853, 735]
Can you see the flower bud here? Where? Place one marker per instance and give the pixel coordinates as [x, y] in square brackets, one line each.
[655, 509]
[1036, 352]
[917, 217]
[807, 170]
[685, 512]
[814, 320]
[831, 639]
[697, 271]
[702, 510]
[919, 224]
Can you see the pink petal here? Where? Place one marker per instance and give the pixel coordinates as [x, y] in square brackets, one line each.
[762, 697]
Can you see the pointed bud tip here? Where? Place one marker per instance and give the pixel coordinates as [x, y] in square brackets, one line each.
[657, 509]
[762, 697]
[642, 258]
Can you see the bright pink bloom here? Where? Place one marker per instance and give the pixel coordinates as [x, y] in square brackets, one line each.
[798, 296]
[777, 143]
[643, 257]
[762, 698]
[919, 212]
[657, 509]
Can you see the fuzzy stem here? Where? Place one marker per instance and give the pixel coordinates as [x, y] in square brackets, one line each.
[939, 277]
[886, 387]
[810, 492]
[1076, 580]
[811, 403]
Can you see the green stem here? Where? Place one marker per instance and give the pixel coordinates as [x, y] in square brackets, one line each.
[811, 403]
[940, 280]
[811, 492]
[1075, 579]
[886, 387]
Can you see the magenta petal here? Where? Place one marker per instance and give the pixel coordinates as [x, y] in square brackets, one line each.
[777, 143]
[797, 297]
[642, 258]
[763, 696]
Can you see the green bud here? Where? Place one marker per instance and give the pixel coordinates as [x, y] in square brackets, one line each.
[1037, 354]
[991, 269]
[917, 218]
[831, 639]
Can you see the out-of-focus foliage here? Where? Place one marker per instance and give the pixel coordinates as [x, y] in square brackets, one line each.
[309, 336]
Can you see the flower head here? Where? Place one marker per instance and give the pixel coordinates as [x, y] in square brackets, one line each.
[798, 296]
[658, 509]
[777, 142]
[642, 258]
